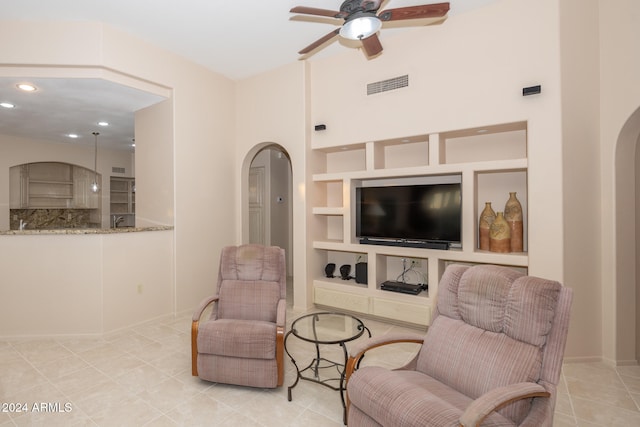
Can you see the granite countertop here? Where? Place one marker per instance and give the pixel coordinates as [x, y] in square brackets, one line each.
[86, 230]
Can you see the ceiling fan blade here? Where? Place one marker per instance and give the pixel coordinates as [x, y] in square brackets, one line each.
[372, 45]
[415, 12]
[320, 41]
[315, 11]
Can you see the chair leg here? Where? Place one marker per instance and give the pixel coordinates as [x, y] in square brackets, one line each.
[194, 348]
[280, 355]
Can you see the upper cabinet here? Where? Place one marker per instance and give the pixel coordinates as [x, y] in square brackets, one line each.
[52, 185]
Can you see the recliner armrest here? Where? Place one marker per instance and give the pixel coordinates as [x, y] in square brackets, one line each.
[358, 350]
[202, 306]
[495, 399]
[281, 313]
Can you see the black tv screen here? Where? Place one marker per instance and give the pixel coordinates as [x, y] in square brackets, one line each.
[428, 213]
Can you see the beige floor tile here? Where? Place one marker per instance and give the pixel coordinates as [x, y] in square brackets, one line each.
[202, 410]
[600, 413]
[101, 353]
[142, 376]
[597, 373]
[613, 396]
[118, 365]
[133, 413]
[50, 351]
[60, 367]
[76, 384]
[17, 375]
[168, 394]
[102, 399]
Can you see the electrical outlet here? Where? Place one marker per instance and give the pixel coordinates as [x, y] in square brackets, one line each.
[415, 262]
[140, 288]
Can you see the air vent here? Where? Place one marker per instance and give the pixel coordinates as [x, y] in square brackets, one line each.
[115, 169]
[389, 84]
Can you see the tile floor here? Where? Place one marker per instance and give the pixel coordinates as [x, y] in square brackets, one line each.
[142, 376]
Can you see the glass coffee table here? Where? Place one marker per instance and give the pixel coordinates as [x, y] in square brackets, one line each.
[320, 329]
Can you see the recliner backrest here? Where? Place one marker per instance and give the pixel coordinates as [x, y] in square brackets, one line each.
[250, 282]
[490, 329]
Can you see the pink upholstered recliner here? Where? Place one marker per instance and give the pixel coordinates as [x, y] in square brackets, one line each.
[242, 341]
[492, 356]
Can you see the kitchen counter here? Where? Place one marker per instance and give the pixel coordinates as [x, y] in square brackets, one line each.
[84, 281]
[85, 230]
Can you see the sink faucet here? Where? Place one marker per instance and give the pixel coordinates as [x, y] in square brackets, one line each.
[117, 220]
[23, 224]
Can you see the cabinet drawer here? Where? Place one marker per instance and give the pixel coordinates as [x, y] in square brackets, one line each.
[343, 300]
[420, 314]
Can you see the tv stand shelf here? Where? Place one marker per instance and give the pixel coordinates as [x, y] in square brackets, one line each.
[491, 162]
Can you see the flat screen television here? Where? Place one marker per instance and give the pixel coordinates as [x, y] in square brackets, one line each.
[424, 215]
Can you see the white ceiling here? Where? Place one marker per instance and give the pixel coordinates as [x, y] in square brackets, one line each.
[235, 38]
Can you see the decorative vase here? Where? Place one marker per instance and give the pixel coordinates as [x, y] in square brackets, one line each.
[513, 216]
[487, 216]
[500, 235]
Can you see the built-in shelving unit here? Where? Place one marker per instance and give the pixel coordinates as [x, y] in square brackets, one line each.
[123, 196]
[52, 185]
[489, 161]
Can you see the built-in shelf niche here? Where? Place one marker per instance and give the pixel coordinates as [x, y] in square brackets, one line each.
[490, 161]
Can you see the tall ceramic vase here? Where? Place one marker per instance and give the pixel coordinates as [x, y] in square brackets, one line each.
[487, 216]
[513, 216]
[500, 235]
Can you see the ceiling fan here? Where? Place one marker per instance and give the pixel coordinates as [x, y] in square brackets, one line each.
[362, 21]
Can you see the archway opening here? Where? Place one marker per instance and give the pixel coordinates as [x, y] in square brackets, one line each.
[267, 203]
[627, 257]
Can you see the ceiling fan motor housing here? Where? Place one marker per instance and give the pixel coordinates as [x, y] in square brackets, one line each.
[350, 7]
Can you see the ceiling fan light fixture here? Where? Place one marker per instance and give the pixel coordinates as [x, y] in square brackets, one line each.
[360, 26]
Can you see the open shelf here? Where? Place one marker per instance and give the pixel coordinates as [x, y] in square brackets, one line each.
[490, 162]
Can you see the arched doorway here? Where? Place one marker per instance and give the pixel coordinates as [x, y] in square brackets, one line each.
[267, 203]
[627, 258]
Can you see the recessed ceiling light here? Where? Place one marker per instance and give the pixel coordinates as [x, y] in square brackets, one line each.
[103, 123]
[27, 87]
[73, 135]
[482, 131]
[6, 105]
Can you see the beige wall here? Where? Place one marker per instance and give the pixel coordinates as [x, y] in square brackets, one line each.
[200, 153]
[467, 72]
[619, 130]
[581, 172]
[154, 153]
[271, 109]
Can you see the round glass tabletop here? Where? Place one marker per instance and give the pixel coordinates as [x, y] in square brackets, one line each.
[327, 328]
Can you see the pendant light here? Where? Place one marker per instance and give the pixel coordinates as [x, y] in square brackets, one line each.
[95, 187]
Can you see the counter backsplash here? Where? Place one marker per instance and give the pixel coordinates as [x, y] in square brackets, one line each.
[51, 219]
